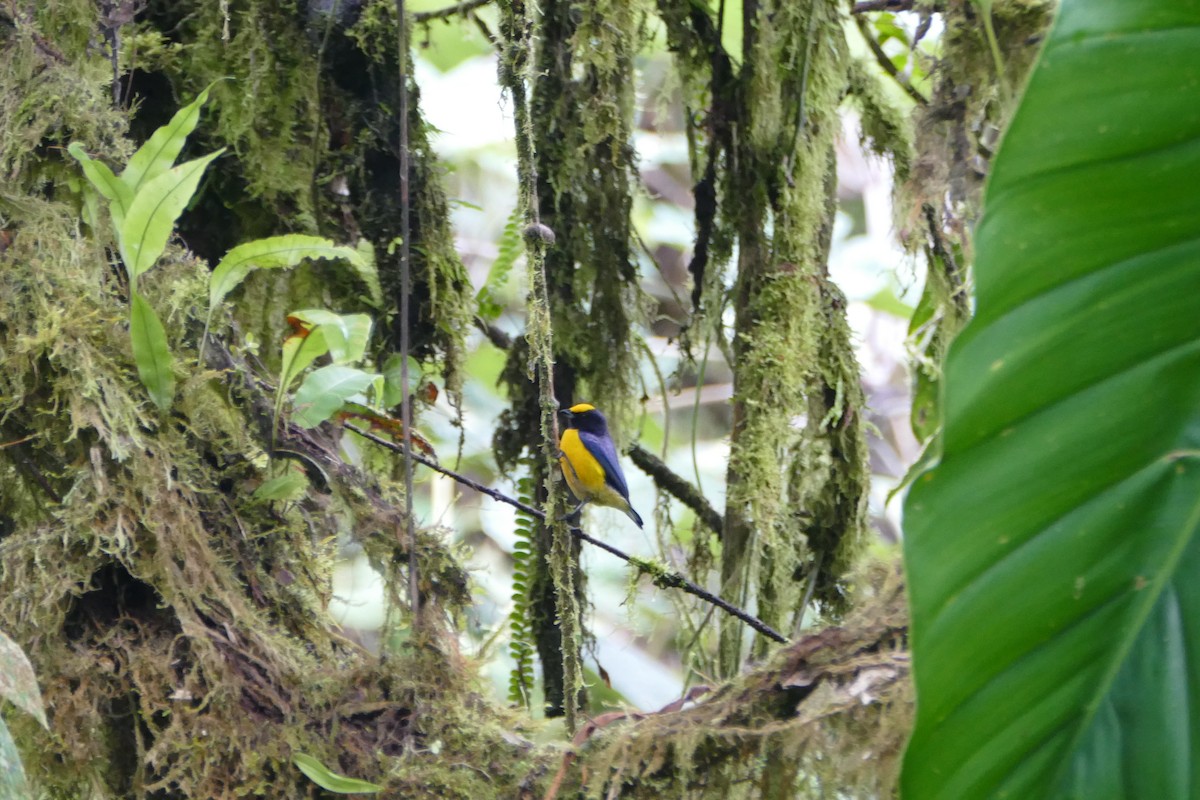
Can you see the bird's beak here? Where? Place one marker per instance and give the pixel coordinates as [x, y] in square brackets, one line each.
[565, 415]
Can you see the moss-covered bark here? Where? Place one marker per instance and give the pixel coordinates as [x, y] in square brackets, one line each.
[175, 620]
[825, 716]
[956, 134]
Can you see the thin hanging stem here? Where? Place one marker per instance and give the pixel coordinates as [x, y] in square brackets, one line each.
[414, 590]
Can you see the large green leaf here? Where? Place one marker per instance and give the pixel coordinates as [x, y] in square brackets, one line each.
[281, 252]
[271, 253]
[1052, 554]
[151, 216]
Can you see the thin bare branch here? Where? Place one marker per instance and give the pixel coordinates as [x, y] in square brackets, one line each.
[666, 479]
[463, 8]
[661, 577]
[885, 63]
[414, 588]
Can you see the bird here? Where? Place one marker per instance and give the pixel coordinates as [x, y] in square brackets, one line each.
[590, 463]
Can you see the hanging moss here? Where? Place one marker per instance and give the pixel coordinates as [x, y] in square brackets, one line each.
[797, 477]
[580, 101]
[886, 130]
[710, 92]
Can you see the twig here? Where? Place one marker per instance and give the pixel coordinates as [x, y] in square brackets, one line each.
[864, 6]
[887, 66]
[464, 8]
[496, 336]
[953, 274]
[26, 466]
[673, 484]
[18, 19]
[414, 588]
[486, 31]
[661, 577]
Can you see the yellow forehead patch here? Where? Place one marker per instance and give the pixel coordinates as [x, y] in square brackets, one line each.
[579, 408]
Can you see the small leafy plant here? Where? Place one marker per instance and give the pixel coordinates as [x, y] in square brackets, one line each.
[343, 337]
[146, 201]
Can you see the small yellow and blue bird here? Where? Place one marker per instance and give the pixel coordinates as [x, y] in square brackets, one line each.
[590, 463]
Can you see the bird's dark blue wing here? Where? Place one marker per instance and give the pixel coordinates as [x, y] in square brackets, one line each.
[603, 450]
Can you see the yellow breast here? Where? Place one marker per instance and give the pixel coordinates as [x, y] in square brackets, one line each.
[583, 473]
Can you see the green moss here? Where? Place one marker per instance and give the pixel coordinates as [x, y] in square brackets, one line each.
[574, 107]
[175, 621]
[886, 130]
[956, 135]
[795, 380]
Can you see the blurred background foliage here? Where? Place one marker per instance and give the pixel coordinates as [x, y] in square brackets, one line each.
[649, 644]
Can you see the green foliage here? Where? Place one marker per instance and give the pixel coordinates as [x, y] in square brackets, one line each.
[510, 249]
[291, 485]
[520, 680]
[1052, 553]
[331, 781]
[158, 154]
[326, 390]
[393, 379]
[157, 204]
[345, 335]
[144, 204]
[150, 350]
[344, 338]
[112, 188]
[278, 252]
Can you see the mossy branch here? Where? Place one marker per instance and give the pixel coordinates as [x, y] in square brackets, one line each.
[841, 690]
[666, 479]
[661, 576]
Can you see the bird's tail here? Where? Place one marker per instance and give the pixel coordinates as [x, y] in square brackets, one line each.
[633, 515]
